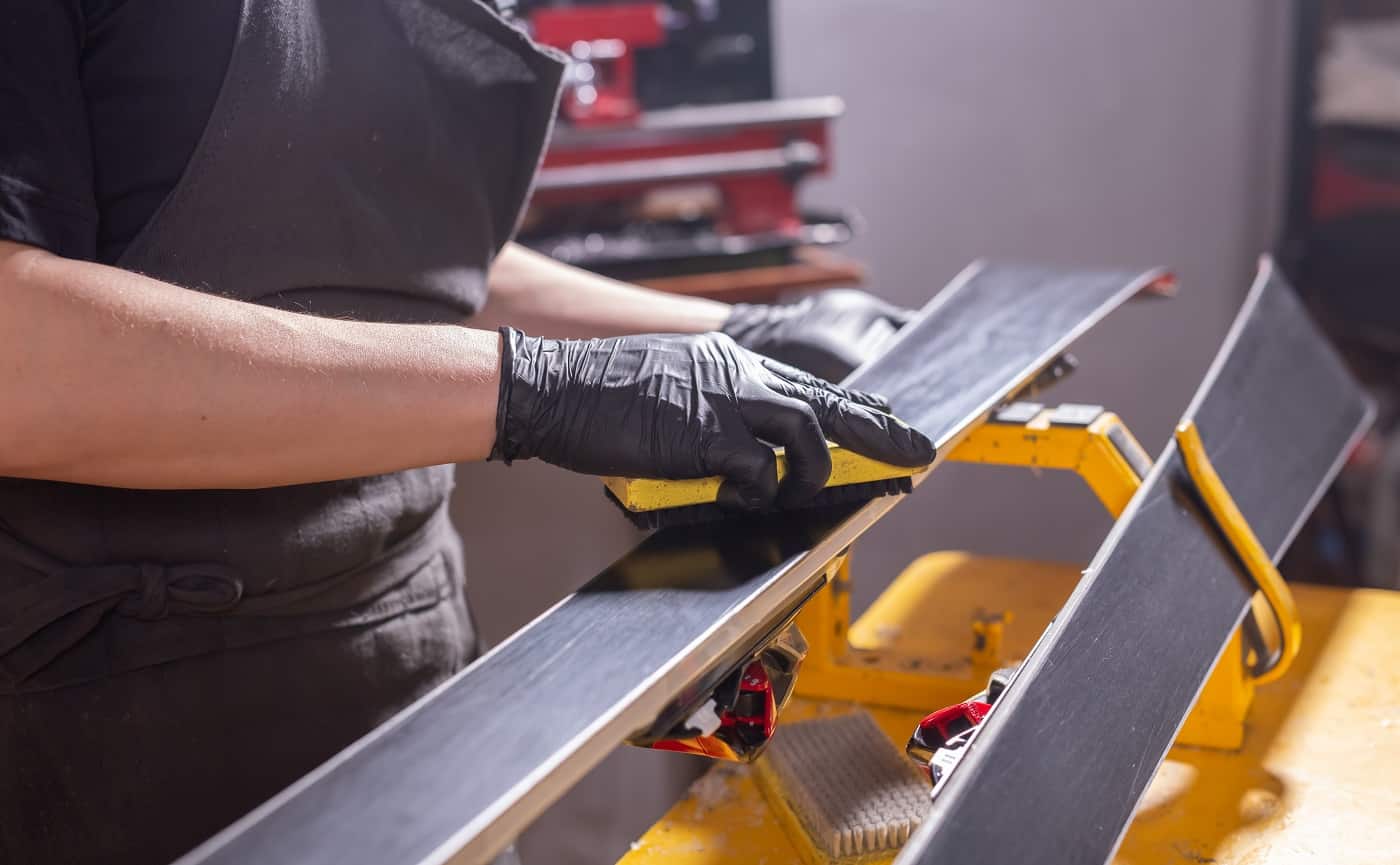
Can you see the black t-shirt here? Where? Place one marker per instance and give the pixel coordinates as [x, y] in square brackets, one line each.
[102, 103]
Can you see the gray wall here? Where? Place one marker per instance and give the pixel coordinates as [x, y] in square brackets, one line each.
[1077, 132]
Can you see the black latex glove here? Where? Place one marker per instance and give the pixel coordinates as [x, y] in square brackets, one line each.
[672, 406]
[827, 334]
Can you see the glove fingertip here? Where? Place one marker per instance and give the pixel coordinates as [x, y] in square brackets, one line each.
[883, 437]
[733, 498]
[750, 481]
[874, 400]
[922, 450]
[804, 482]
[916, 449]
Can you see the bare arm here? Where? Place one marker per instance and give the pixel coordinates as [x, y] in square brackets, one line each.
[108, 377]
[545, 298]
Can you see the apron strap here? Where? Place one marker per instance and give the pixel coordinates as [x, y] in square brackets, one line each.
[143, 591]
[42, 617]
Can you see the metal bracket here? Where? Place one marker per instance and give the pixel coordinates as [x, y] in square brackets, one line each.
[1270, 665]
[1097, 446]
[1054, 372]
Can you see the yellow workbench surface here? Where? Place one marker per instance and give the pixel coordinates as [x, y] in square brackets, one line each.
[1318, 779]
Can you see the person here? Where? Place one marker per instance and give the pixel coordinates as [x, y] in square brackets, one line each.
[259, 295]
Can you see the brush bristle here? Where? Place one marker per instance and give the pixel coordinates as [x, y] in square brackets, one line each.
[855, 795]
[707, 513]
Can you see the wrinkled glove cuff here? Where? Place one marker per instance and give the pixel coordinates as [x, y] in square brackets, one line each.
[508, 446]
[745, 322]
[757, 326]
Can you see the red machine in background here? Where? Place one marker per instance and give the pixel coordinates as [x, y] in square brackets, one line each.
[636, 188]
[601, 42]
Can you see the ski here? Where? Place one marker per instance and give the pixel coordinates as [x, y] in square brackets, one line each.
[1056, 770]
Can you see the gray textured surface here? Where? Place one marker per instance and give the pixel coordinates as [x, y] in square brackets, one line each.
[469, 765]
[1080, 733]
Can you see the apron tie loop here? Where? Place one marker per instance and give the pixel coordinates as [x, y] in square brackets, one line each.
[166, 589]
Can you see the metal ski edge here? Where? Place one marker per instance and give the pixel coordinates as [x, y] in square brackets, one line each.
[1267, 273]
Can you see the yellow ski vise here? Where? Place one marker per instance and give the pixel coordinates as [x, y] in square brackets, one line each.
[1096, 445]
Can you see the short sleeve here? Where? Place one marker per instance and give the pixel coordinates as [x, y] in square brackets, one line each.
[46, 181]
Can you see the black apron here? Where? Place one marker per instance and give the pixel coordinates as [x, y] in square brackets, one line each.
[170, 659]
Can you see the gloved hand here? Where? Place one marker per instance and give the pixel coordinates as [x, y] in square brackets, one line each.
[827, 334]
[673, 406]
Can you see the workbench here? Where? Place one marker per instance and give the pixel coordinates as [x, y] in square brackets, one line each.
[1317, 781]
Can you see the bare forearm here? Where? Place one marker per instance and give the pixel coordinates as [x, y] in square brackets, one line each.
[108, 377]
[545, 298]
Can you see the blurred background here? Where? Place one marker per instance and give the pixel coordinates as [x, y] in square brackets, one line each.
[748, 149]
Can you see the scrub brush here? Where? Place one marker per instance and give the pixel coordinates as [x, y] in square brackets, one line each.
[652, 503]
[843, 792]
